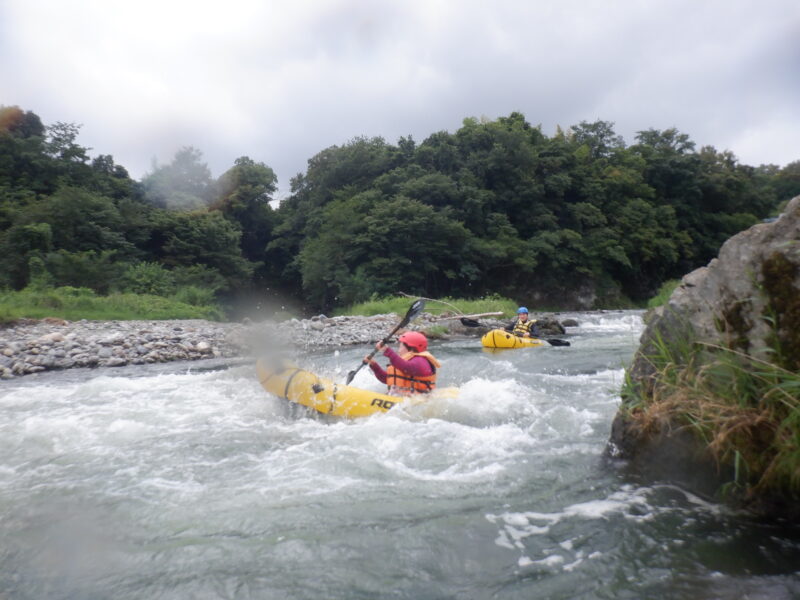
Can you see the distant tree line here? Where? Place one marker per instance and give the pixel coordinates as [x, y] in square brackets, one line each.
[578, 219]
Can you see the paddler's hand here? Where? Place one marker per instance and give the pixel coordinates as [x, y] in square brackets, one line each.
[380, 346]
[367, 360]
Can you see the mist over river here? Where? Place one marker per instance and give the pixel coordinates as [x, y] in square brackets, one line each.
[188, 481]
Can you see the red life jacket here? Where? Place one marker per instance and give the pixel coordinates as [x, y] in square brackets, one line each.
[404, 384]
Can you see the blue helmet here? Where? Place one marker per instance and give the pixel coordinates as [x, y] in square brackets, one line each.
[521, 310]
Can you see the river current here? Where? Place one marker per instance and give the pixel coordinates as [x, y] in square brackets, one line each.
[189, 481]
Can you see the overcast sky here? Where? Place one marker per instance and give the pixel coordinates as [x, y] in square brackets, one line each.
[280, 81]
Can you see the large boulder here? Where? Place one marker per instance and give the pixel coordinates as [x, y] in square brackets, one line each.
[746, 301]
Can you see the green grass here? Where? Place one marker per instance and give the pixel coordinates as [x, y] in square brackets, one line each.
[399, 305]
[664, 292]
[745, 410]
[73, 304]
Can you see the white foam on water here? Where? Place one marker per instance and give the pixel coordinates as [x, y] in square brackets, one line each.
[612, 378]
[628, 503]
[386, 448]
[627, 321]
[125, 426]
[483, 402]
[548, 563]
[189, 467]
[217, 434]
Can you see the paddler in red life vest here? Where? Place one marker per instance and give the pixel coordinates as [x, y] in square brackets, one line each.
[412, 370]
[522, 326]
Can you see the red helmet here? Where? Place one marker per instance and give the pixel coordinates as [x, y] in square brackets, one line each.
[414, 340]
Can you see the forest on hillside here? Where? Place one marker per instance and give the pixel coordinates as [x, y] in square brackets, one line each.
[576, 220]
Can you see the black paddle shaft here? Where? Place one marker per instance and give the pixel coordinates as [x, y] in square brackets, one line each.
[412, 313]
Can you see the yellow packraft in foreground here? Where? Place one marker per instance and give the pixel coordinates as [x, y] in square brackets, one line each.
[331, 398]
[500, 338]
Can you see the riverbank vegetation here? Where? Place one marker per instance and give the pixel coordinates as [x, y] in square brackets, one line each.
[73, 304]
[442, 306]
[663, 294]
[743, 410]
[576, 220]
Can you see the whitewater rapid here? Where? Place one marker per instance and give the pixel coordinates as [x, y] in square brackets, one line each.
[189, 481]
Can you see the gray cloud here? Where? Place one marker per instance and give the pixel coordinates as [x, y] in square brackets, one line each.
[281, 81]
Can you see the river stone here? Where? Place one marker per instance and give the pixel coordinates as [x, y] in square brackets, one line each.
[732, 302]
[94, 343]
[49, 338]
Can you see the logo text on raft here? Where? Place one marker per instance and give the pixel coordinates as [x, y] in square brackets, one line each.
[384, 404]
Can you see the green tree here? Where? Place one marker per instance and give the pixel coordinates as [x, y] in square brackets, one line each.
[149, 278]
[331, 265]
[186, 239]
[598, 137]
[18, 245]
[183, 184]
[652, 243]
[97, 270]
[787, 182]
[25, 168]
[112, 180]
[244, 193]
[502, 259]
[414, 248]
[439, 152]
[81, 221]
[70, 159]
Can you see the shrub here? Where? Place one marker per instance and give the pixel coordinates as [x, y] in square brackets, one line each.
[88, 269]
[149, 278]
[191, 294]
[201, 276]
[39, 277]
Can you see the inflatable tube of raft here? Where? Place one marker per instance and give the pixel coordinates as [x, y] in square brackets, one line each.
[500, 338]
[324, 395]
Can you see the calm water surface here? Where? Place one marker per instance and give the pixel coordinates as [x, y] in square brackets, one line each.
[189, 481]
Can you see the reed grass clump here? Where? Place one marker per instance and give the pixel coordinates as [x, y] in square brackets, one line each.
[745, 410]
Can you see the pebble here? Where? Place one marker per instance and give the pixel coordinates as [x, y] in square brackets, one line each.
[31, 346]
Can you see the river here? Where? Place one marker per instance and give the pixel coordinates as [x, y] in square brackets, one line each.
[188, 481]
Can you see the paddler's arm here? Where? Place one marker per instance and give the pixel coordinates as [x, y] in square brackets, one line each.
[417, 366]
[376, 368]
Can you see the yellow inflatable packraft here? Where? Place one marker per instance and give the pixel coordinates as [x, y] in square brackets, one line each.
[500, 338]
[330, 398]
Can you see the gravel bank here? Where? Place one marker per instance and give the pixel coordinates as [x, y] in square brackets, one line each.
[32, 346]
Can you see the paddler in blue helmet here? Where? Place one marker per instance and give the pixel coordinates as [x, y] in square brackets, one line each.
[522, 326]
